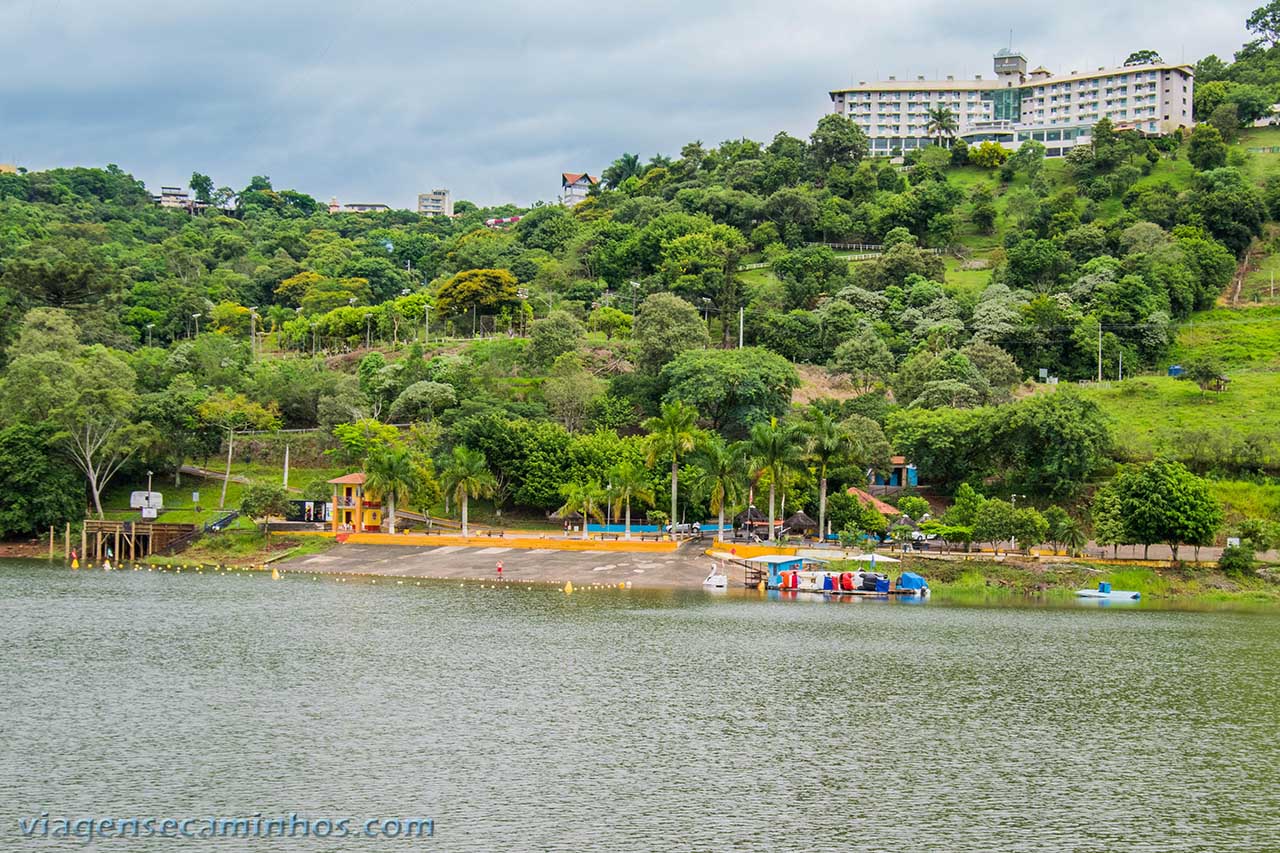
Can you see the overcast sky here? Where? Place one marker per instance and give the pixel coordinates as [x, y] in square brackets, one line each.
[377, 101]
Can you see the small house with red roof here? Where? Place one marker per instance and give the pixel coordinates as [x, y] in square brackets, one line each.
[353, 509]
[574, 187]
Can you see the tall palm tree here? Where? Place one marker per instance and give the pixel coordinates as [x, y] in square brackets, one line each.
[776, 451]
[826, 444]
[723, 465]
[626, 166]
[671, 436]
[942, 124]
[466, 475]
[389, 472]
[629, 482]
[584, 498]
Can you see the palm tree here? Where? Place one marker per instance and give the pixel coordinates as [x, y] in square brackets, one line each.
[584, 498]
[942, 124]
[826, 442]
[1071, 534]
[389, 473]
[466, 475]
[626, 166]
[671, 435]
[723, 464]
[775, 450]
[629, 481]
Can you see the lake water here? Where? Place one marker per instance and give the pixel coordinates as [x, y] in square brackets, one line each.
[530, 720]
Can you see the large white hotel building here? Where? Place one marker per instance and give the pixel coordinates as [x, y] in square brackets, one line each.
[1016, 105]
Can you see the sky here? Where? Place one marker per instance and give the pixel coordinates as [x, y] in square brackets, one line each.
[378, 101]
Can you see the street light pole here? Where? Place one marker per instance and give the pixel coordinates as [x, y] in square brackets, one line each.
[150, 326]
[253, 332]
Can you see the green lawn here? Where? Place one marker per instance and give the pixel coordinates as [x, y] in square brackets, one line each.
[1242, 337]
[1151, 414]
[968, 281]
[1261, 164]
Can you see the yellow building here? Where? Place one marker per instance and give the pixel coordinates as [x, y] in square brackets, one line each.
[353, 510]
[8, 169]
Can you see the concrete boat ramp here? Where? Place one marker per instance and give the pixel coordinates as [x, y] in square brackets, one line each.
[685, 567]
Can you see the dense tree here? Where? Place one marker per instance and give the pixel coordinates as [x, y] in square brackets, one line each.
[664, 327]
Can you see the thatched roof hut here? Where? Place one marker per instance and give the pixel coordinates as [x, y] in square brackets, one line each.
[799, 522]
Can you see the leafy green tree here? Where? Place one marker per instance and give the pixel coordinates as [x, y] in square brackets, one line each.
[1164, 502]
[665, 326]
[837, 140]
[913, 507]
[775, 450]
[983, 211]
[483, 290]
[988, 155]
[202, 186]
[629, 482]
[1207, 150]
[89, 398]
[1029, 527]
[261, 501]
[1204, 369]
[41, 490]
[994, 522]
[422, 400]
[1264, 22]
[390, 474]
[1143, 57]
[360, 438]
[626, 166]
[558, 334]
[865, 359]
[466, 475]
[233, 412]
[733, 389]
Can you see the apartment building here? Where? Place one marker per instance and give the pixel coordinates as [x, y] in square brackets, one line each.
[1058, 110]
[435, 203]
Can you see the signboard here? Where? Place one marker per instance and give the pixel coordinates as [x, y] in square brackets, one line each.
[195, 498]
[143, 500]
[149, 512]
[1233, 541]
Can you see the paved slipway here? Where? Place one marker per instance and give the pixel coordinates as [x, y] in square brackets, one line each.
[687, 567]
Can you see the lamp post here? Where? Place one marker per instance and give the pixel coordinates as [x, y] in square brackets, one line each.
[1013, 501]
[196, 317]
[253, 331]
[150, 326]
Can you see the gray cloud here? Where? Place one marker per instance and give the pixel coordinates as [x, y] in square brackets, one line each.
[376, 101]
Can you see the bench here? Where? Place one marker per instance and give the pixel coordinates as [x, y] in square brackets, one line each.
[498, 533]
[613, 536]
[656, 537]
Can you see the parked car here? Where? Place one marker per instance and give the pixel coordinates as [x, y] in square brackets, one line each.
[683, 527]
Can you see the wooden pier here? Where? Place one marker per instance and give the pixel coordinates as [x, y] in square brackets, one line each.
[131, 540]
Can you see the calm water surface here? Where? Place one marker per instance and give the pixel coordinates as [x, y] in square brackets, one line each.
[530, 720]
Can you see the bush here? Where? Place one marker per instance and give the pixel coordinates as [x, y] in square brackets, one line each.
[1236, 560]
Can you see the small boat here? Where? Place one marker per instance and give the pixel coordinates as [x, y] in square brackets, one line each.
[717, 579]
[1105, 591]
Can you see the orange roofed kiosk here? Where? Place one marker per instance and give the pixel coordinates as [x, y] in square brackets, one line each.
[353, 510]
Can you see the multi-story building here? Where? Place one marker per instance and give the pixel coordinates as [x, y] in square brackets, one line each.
[1058, 110]
[435, 203]
[574, 187]
[357, 207]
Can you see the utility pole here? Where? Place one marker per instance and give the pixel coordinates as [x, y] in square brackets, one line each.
[253, 332]
[1099, 352]
[286, 466]
[741, 316]
[1120, 372]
